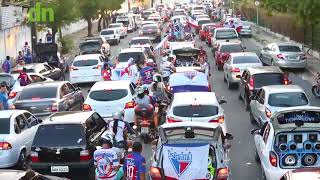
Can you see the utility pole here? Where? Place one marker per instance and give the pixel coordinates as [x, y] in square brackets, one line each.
[33, 30]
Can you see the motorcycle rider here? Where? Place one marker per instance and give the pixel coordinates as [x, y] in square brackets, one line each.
[106, 159]
[202, 53]
[158, 86]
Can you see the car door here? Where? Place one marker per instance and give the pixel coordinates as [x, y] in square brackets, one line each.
[33, 124]
[23, 133]
[227, 67]
[54, 74]
[260, 142]
[65, 101]
[266, 54]
[35, 78]
[76, 96]
[259, 108]
[95, 127]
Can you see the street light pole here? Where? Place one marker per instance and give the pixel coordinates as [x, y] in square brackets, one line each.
[257, 3]
[33, 29]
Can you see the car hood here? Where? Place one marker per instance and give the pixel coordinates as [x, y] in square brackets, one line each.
[186, 51]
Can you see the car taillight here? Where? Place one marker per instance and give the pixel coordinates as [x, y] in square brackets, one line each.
[85, 155]
[54, 107]
[280, 56]
[219, 119]
[5, 146]
[303, 56]
[251, 84]
[235, 70]
[12, 95]
[222, 174]
[86, 107]
[72, 68]
[34, 157]
[172, 120]
[268, 112]
[273, 158]
[130, 104]
[155, 173]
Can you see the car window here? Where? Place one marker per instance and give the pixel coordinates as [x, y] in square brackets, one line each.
[226, 34]
[42, 70]
[31, 120]
[273, 48]
[95, 123]
[4, 125]
[36, 78]
[195, 111]
[261, 97]
[8, 79]
[289, 49]
[87, 62]
[266, 133]
[267, 79]
[231, 48]
[21, 124]
[288, 99]
[245, 59]
[38, 93]
[48, 68]
[107, 32]
[61, 135]
[244, 74]
[137, 56]
[108, 95]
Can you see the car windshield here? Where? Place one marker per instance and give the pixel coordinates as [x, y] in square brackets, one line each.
[267, 79]
[195, 111]
[38, 93]
[140, 41]
[7, 78]
[200, 133]
[137, 56]
[245, 59]
[90, 45]
[108, 95]
[4, 125]
[125, 22]
[89, 62]
[17, 71]
[61, 135]
[203, 22]
[226, 34]
[114, 25]
[288, 99]
[231, 48]
[289, 49]
[107, 32]
[149, 27]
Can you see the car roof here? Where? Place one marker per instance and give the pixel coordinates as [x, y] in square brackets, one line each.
[29, 66]
[9, 113]
[282, 88]
[86, 56]
[286, 44]
[115, 24]
[108, 29]
[229, 43]
[101, 85]
[190, 123]
[45, 84]
[202, 19]
[222, 28]
[188, 98]
[243, 54]
[131, 50]
[72, 117]
[264, 69]
[141, 37]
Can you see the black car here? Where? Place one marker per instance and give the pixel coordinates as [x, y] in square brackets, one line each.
[66, 141]
[90, 46]
[43, 99]
[253, 79]
[8, 79]
[42, 68]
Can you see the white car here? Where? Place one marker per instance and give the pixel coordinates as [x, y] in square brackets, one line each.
[141, 40]
[121, 27]
[146, 22]
[224, 34]
[236, 64]
[18, 128]
[270, 99]
[289, 141]
[112, 35]
[138, 54]
[17, 88]
[108, 97]
[196, 107]
[86, 69]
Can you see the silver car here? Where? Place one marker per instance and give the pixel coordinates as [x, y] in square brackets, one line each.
[17, 130]
[236, 64]
[246, 29]
[270, 99]
[283, 55]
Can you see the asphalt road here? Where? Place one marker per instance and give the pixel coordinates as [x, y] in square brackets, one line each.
[243, 165]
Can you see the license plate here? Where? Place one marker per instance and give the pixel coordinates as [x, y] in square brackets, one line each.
[59, 169]
[144, 130]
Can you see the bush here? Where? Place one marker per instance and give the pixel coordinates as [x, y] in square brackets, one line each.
[67, 44]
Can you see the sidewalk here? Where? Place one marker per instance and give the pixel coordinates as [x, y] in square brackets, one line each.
[263, 36]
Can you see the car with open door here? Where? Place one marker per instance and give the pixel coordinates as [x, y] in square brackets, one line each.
[183, 147]
[289, 141]
[41, 68]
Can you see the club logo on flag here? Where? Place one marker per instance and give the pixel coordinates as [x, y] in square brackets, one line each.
[120, 72]
[180, 162]
[190, 75]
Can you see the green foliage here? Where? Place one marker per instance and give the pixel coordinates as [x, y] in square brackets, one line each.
[67, 44]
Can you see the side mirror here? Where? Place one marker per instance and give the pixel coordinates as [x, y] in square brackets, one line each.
[227, 146]
[229, 136]
[255, 131]
[265, 49]
[89, 90]
[222, 101]
[40, 121]
[244, 48]
[78, 88]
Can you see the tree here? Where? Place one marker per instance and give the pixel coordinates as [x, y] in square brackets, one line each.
[88, 10]
[107, 6]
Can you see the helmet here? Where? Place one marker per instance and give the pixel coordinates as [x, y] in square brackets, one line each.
[107, 138]
[139, 90]
[157, 78]
[118, 115]
[144, 87]
[131, 61]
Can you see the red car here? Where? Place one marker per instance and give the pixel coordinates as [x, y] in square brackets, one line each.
[223, 52]
[203, 33]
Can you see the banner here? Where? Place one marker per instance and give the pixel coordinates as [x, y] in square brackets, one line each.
[193, 23]
[185, 161]
[162, 45]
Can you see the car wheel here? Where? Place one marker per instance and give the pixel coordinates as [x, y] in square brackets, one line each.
[252, 120]
[22, 161]
[246, 102]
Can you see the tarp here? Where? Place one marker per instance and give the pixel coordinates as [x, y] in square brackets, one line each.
[191, 81]
[185, 161]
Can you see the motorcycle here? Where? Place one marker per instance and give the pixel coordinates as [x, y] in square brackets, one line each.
[161, 106]
[316, 87]
[146, 126]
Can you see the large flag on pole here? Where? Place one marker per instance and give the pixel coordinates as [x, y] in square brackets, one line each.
[162, 45]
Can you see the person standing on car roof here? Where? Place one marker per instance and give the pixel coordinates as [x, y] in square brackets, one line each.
[135, 164]
[167, 67]
[106, 160]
